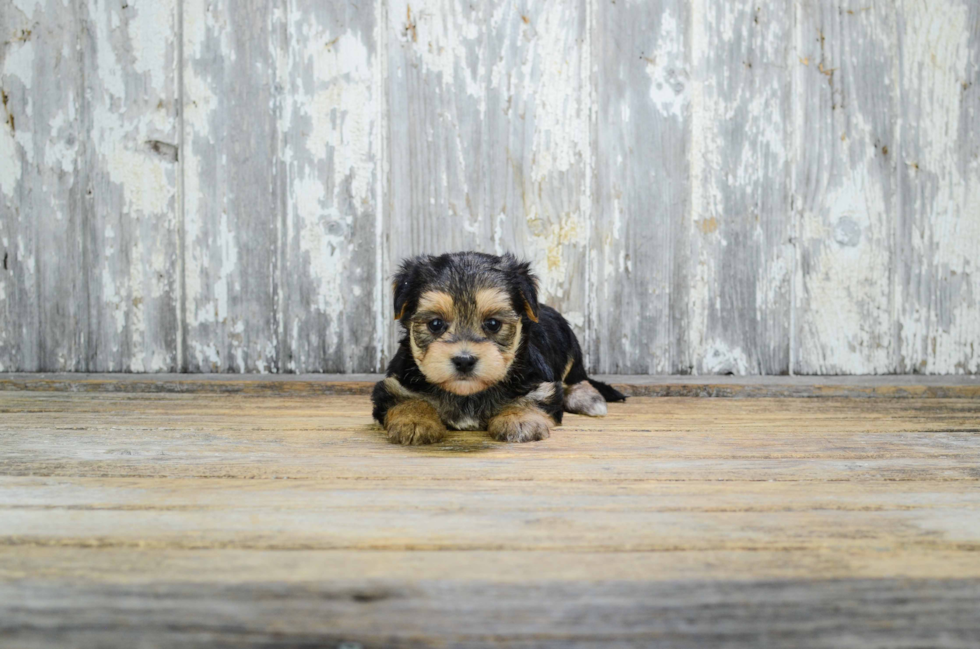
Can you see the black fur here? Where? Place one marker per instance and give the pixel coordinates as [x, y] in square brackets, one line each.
[546, 347]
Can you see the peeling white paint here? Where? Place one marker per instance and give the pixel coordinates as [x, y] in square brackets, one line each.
[9, 162]
[151, 36]
[667, 68]
[719, 358]
[705, 197]
[330, 116]
[846, 328]
[145, 186]
[575, 318]
[27, 7]
[19, 62]
[939, 334]
[532, 63]
[441, 41]
[561, 117]
[544, 76]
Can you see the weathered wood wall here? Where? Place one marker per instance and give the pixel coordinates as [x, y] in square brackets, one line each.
[704, 187]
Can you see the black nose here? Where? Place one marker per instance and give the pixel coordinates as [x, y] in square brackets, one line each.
[464, 364]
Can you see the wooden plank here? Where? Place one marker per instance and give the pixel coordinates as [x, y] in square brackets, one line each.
[827, 613]
[130, 157]
[233, 212]
[436, 111]
[223, 436]
[642, 192]
[938, 230]
[358, 569]
[739, 230]
[43, 290]
[896, 386]
[332, 137]
[845, 187]
[539, 146]
[285, 521]
[436, 107]
[409, 515]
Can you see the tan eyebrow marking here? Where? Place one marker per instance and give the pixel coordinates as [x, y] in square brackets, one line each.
[492, 300]
[437, 302]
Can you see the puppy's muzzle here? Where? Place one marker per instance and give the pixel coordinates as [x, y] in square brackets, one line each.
[464, 363]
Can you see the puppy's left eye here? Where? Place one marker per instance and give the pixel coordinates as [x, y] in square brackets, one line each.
[492, 325]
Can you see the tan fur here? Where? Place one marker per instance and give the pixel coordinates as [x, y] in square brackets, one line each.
[584, 399]
[511, 352]
[395, 387]
[492, 301]
[437, 302]
[568, 368]
[435, 358]
[520, 424]
[414, 422]
[530, 313]
[543, 392]
[437, 365]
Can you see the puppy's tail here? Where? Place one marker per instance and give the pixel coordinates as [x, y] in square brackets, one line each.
[608, 392]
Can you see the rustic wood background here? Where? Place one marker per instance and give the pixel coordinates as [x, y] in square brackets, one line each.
[704, 187]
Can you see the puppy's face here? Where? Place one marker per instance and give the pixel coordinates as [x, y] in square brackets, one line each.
[464, 343]
[464, 328]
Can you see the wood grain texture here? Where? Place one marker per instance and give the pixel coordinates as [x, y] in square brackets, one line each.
[938, 221]
[740, 253]
[839, 614]
[436, 113]
[129, 156]
[43, 289]
[539, 145]
[291, 521]
[642, 193]
[332, 133]
[232, 214]
[706, 188]
[891, 387]
[89, 188]
[845, 187]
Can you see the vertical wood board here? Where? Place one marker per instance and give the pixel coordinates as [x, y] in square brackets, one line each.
[129, 161]
[702, 187]
[232, 213]
[539, 145]
[845, 187]
[642, 192]
[741, 264]
[331, 131]
[43, 293]
[938, 227]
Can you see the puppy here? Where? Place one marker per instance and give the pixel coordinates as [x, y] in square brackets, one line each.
[480, 353]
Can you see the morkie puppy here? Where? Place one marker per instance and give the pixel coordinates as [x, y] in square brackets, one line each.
[478, 353]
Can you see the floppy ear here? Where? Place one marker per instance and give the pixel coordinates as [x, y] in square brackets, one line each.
[526, 284]
[405, 280]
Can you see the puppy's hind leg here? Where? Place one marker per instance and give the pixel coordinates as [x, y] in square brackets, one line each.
[585, 396]
[583, 399]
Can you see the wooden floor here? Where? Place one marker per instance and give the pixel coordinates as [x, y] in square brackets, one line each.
[242, 520]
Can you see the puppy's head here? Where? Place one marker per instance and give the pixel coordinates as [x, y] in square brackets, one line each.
[464, 314]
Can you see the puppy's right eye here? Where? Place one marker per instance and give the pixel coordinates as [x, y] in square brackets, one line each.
[436, 325]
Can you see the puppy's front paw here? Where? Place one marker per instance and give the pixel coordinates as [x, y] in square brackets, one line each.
[413, 423]
[520, 425]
